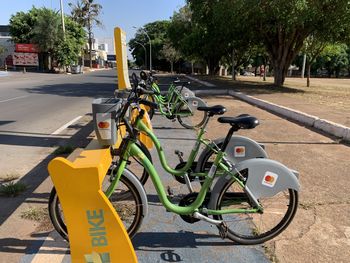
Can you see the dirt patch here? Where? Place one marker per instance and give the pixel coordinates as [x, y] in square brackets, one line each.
[320, 231]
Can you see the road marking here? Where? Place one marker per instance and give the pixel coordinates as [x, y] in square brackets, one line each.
[14, 98]
[59, 130]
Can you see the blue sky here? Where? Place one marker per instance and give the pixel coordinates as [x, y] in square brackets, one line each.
[124, 14]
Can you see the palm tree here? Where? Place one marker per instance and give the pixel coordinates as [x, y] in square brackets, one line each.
[86, 13]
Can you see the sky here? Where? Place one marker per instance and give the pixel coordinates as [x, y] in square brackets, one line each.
[124, 14]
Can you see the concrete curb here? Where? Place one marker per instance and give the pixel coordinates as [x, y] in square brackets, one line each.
[205, 83]
[329, 127]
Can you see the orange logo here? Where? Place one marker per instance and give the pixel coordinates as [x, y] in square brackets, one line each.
[103, 125]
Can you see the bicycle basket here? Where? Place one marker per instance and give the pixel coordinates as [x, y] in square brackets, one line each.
[103, 111]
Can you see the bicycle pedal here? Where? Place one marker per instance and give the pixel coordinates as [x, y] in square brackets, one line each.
[223, 229]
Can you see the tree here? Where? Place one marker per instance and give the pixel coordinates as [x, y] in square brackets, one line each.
[334, 58]
[313, 47]
[47, 32]
[86, 13]
[284, 25]
[43, 27]
[170, 54]
[67, 52]
[157, 32]
[22, 25]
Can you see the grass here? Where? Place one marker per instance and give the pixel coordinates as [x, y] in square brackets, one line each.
[12, 189]
[66, 149]
[35, 214]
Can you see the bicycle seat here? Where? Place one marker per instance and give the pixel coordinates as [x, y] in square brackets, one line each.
[213, 110]
[240, 122]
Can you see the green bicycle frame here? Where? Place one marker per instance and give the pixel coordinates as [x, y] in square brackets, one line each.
[132, 150]
[168, 104]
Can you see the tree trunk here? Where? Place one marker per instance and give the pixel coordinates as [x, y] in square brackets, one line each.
[192, 67]
[264, 77]
[233, 65]
[279, 74]
[308, 74]
[172, 67]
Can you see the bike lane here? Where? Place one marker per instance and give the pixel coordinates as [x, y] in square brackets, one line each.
[164, 236]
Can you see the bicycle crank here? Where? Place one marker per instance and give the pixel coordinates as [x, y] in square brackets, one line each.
[188, 200]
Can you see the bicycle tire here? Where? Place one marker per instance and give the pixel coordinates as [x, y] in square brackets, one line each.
[141, 207]
[244, 229]
[191, 121]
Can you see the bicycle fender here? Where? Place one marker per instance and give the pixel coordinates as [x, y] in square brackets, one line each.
[239, 148]
[185, 92]
[266, 178]
[195, 102]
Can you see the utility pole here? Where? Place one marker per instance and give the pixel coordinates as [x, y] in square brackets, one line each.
[62, 17]
[150, 47]
[145, 52]
[303, 68]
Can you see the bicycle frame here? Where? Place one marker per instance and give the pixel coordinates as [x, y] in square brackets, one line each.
[130, 149]
[168, 104]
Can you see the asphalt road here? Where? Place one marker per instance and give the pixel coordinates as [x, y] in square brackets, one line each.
[34, 106]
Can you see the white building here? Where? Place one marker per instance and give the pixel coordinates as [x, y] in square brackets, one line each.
[6, 43]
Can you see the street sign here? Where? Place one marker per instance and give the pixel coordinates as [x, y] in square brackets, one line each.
[111, 58]
[25, 59]
[27, 48]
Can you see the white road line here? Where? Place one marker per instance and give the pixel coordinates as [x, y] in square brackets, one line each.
[14, 98]
[59, 130]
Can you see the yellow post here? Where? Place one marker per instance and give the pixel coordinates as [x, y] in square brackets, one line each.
[96, 233]
[122, 59]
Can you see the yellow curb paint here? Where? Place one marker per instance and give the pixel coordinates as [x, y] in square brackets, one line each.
[96, 233]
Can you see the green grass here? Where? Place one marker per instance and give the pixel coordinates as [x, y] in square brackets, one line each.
[66, 149]
[35, 214]
[12, 189]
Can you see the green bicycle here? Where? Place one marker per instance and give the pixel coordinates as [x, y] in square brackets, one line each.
[250, 203]
[178, 102]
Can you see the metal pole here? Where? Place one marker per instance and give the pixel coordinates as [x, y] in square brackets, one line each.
[145, 52]
[62, 17]
[150, 49]
[303, 68]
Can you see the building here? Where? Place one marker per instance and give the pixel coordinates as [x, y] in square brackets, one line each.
[6, 43]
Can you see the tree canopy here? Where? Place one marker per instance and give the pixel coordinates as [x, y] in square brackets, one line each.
[43, 26]
[211, 30]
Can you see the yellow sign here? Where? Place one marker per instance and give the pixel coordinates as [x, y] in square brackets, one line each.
[122, 59]
[96, 233]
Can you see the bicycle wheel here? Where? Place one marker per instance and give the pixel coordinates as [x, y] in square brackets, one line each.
[207, 158]
[128, 200]
[255, 228]
[189, 118]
